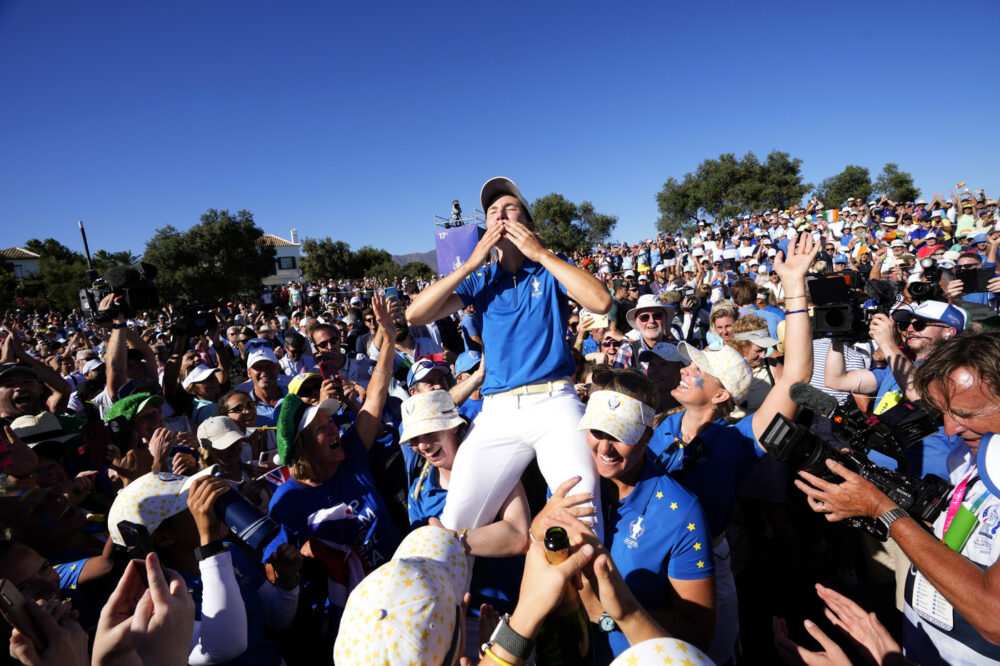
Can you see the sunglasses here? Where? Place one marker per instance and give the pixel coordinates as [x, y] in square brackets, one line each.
[646, 316]
[243, 407]
[920, 324]
[610, 343]
[329, 342]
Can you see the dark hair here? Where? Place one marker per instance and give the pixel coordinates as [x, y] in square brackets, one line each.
[224, 398]
[977, 352]
[634, 384]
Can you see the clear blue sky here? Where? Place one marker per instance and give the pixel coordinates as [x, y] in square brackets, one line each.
[360, 121]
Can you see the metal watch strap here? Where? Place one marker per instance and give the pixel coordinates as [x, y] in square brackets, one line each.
[511, 641]
[891, 516]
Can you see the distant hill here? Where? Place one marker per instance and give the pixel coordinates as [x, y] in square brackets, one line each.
[429, 258]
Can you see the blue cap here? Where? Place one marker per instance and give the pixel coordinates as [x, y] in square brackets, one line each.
[980, 238]
[933, 311]
[467, 360]
[840, 258]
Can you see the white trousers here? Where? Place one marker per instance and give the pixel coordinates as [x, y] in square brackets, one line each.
[507, 434]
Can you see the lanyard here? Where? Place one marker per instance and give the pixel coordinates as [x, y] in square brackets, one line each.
[956, 501]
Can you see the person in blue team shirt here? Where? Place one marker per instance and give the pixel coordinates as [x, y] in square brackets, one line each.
[468, 364]
[330, 469]
[711, 458]
[431, 435]
[655, 530]
[531, 408]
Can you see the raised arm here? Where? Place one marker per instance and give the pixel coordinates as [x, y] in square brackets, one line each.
[368, 423]
[581, 286]
[798, 332]
[440, 299]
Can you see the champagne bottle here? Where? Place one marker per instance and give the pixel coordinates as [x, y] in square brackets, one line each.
[565, 635]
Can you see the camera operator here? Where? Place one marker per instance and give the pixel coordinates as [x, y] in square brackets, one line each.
[952, 593]
[970, 260]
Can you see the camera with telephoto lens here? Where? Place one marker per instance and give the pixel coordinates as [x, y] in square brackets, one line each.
[890, 433]
[254, 527]
[931, 289]
[694, 305]
[132, 286]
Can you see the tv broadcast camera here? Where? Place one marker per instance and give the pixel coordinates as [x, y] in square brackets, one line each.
[891, 433]
[132, 286]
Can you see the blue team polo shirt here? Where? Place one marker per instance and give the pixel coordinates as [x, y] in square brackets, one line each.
[352, 484]
[731, 451]
[658, 532]
[522, 318]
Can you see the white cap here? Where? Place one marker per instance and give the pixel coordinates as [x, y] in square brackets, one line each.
[199, 374]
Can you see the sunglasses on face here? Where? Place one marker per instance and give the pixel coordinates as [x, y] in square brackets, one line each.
[920, 324]
[329, 342]
[647, 316]
[242, 407]
[610, 343]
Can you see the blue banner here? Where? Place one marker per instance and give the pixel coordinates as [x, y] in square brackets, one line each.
[455, 245]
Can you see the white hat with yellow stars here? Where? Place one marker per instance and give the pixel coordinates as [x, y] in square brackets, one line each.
[662, 651]
[409, 610]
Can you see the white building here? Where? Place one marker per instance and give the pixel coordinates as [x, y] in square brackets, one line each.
[286, 258]
[25, 262]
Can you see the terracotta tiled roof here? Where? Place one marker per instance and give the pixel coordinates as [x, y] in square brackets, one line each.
[275, 241]
[18, 253]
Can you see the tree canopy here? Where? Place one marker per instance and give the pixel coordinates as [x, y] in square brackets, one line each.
[854, 181]
[727, 186]
[215, 259]
[324, 258]
[568, 227]
[895, 184]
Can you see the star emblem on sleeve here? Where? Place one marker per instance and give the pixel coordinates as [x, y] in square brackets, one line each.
[690, 527]
[659, 494]
[701, 564]
[697, 545]
[673, 506]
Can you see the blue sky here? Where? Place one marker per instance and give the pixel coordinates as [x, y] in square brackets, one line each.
[361, 121]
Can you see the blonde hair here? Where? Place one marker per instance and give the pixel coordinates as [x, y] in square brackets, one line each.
[745, 324]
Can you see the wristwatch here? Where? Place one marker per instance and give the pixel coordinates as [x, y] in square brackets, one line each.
[606, 623]
[509, 640]
[891, 516]
[210, 549]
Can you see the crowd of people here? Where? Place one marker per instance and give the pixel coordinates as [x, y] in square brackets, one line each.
[363, 472]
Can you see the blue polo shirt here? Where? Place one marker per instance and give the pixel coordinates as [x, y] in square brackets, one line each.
[658, 532]
[522, 318]
[730, 453]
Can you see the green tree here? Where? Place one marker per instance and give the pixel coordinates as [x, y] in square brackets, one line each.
[854, 181]
[103, 260]
[417, 270]
[50, 247]
[895, 184]
[325, 258]
[727, 186]
[566, 227]
[384, 270]
[367, 257]
[213, 260]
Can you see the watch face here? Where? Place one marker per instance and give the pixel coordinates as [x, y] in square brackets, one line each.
[606, 623]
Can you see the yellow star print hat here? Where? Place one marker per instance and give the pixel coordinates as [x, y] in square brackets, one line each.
[724, 363]
[662, 651]
[621, 416]
[148, 501]
[409, 610]
[431, 411]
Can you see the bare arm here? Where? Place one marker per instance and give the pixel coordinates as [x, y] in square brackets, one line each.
[461, 391]
[690, 615]
[368, 423]
[135, 341]
[116, 357]
[14, 353]
[881, 330]
[837, 378]
[509, 535]
[439, 299]
[798, 334]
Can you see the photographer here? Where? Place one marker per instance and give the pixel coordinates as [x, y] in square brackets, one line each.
[953, 595]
